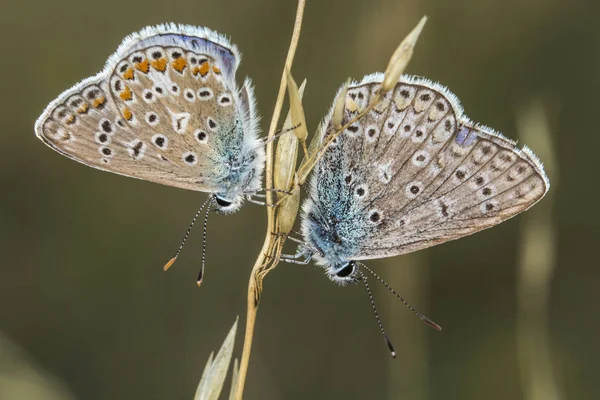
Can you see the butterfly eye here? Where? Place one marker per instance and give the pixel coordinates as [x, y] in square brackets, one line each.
[222, 202]
[346, 271]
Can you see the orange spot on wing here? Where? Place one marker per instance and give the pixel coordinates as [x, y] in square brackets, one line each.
[128, 74]
[99, 101]
[160, 64]
[179, 64]
[143, 66]
[83, 109]
[127, 114]
[216, 70]
[204, 68]
[70, 120]
[126, 94]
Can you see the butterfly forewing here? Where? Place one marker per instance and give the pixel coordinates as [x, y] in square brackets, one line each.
[415, 172]
[165, 109]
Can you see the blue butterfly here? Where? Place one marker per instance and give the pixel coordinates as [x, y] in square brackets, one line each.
[166, 109]
[412, 173]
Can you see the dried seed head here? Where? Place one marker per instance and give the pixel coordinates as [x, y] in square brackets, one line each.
[313, 149]
[338, 108]
[296, 109]
[401, 57]
[288, 210]
[286, 152]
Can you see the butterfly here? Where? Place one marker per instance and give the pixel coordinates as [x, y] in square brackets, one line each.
[412, 173]
[166, 109]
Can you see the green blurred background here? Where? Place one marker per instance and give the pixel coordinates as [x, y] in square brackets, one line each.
[86, 311]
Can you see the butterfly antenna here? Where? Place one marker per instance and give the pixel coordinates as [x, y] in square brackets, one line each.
[418, 314]
[277, 134]
[187, 233]
[201, 272]
[385, 336]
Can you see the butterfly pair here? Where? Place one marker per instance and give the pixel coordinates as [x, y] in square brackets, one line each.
[412, 173]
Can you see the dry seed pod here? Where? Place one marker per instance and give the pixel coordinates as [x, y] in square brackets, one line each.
[338, 108]
[394, 70]
[296, 110]
[285, 159]
[401, 57]
[286, 152]
[313, 148]
[288, 210]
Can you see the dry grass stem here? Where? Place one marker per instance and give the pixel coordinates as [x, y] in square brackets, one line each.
[280, 219]
[296, 112]
[267, 258]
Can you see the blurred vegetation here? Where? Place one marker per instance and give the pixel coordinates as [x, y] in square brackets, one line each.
[82, 291]
[216, 370]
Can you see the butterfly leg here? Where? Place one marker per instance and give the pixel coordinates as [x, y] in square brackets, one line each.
[278, 191]
[268, 190]
[265, 140]
[294, 259]
[278, 133]
[249, 196]
[307, 248]
[293, 239]
[260, 203]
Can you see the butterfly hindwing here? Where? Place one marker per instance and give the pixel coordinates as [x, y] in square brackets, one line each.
[165, 109]
[412, 173]
[493, 181]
